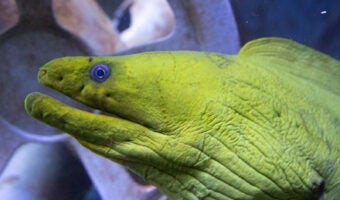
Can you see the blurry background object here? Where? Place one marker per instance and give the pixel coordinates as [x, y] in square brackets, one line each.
[40, 171]
[9, 15]
[199, 25]
[150, 21]
[86, 20]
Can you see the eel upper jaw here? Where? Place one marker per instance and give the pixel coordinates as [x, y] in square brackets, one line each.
[50, 77]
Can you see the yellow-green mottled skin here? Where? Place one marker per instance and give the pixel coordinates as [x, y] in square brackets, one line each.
[263, 124]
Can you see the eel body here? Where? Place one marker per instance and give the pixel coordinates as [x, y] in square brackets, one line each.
[262, 124]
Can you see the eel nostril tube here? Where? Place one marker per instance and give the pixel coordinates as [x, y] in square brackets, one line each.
[41, 73]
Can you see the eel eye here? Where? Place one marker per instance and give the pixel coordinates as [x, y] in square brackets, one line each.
[100, 72]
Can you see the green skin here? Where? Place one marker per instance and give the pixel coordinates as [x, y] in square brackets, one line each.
[263, 124]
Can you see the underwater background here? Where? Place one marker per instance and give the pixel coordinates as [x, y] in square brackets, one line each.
[33, 32]
[313, 23]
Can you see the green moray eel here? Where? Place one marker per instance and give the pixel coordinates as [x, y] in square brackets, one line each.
[262, 124]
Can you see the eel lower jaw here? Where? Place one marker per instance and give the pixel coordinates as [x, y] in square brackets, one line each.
[83, 125]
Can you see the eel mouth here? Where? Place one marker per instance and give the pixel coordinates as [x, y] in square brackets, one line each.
[110, 136]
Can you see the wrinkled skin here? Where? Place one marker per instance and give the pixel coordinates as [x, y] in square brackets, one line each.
[263, 124]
